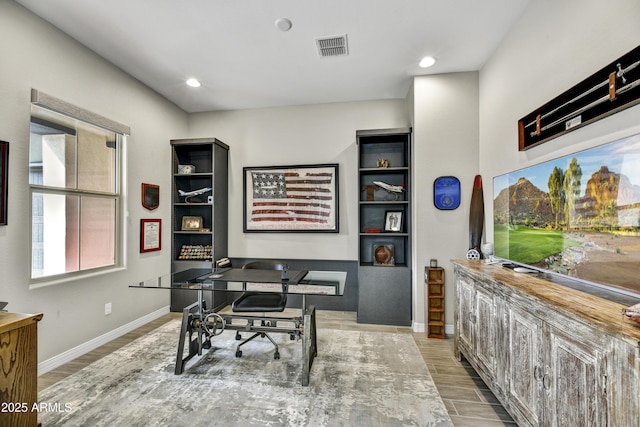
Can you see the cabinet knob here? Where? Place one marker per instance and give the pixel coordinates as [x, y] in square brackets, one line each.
[537, 373]
[546, 381]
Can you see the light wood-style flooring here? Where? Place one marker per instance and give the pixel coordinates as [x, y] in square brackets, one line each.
[467, 398]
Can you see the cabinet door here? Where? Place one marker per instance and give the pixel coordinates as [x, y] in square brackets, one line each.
[525, 367]
[574, 382]
[485, 325]
[466, 312]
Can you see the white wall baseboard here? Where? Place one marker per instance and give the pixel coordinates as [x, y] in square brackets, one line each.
[69, 355]
[420, 327]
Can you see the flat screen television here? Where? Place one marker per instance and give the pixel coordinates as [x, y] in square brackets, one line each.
[576, 216]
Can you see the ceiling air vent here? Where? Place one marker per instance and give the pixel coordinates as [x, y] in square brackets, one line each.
[332, 45]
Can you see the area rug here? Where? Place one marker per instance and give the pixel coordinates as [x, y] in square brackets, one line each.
[358, 379]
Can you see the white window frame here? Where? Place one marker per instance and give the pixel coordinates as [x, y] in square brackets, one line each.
[48, 102]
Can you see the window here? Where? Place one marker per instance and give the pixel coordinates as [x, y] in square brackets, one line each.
[74, 177]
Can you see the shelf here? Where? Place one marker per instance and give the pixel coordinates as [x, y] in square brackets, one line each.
[385, 234]
[384, 170]
[384, 286]
[384, 202]
[199, 249]
[192, 233]
[370, 264]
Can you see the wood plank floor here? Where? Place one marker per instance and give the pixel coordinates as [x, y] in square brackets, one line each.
[467, 398]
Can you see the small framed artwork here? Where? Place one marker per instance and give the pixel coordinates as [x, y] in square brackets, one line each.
[191, 223]
[384, 255]
[186, 169]
[446, 192]
[150, 235]
[4, 177]
[393, 221]
[150, 196]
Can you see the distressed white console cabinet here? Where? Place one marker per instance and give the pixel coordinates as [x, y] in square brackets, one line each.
[552, 355]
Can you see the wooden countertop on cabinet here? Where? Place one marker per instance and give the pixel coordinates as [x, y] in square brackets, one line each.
[593, 310]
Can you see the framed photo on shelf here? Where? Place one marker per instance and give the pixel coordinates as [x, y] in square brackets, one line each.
[150, 235]
[4, 176]
[296, 199]
[393, 221]
[191, 223]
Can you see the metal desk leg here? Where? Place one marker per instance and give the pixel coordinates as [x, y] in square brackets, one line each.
[309, 343]
[184, 328]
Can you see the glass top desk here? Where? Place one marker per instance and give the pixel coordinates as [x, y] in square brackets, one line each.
[200, 325]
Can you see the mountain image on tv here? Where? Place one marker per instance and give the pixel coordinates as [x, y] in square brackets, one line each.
[578, 215]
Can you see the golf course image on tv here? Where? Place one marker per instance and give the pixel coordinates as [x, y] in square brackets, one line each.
[577, 215]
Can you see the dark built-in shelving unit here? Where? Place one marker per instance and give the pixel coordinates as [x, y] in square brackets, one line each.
[384, 293]
[206, 161]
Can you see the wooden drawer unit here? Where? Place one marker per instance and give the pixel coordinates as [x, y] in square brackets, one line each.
[434, 278]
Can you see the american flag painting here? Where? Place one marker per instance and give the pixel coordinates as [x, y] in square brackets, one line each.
[291, 198]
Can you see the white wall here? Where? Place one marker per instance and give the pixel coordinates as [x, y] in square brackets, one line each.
[36, 55]
[292, 136]
[554, 46]
[445, 142]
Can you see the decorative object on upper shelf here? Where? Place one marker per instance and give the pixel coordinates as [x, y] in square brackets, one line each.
[476, 219]
[186, 169]
[394, 190]
[393, 221]
[188, 195]
[150, 235]
[608, 91]
[291, 198]
[382, 163]
[4, 177]
[433, 263]
[150, 196]
[384, 255]
[372, 230]
[191, 223]
[446, 192]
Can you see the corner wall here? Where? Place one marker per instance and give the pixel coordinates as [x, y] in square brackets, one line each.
[37, 55]
[445, 142]
[297, 135]
[554, 46]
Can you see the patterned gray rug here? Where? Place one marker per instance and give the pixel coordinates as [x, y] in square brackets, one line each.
[358, 379]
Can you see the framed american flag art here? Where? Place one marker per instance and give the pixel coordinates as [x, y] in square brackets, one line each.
[296, 199]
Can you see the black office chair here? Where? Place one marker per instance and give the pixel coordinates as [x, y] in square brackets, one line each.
[261, 302]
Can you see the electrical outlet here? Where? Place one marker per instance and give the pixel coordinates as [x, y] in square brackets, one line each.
[107, 309]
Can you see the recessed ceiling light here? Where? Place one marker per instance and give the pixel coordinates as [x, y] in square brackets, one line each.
[427, 61]
[283, 24]
[194, 83]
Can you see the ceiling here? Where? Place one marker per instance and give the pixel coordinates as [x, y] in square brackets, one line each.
[244, 61]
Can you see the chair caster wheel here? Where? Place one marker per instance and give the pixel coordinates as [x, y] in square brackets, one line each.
[238, 353]
[238, 337]
[276, 355]
[292, 337]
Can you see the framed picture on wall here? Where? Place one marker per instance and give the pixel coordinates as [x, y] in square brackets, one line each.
[150, 196]
[291, 199]
[4, 177]
[150, 235]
